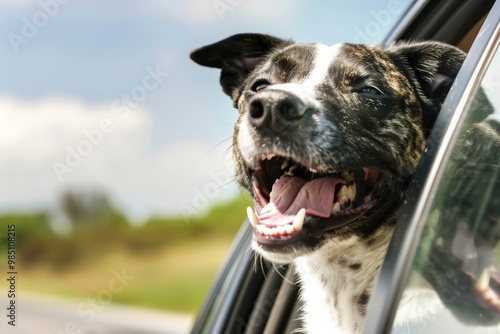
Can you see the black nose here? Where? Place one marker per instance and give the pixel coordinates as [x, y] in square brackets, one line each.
[276, 110]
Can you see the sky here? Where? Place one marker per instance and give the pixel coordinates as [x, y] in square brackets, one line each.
[102, 94]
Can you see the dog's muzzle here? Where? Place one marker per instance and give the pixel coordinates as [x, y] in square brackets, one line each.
[298, 201]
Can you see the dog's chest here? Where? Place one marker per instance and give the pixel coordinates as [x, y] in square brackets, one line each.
[336, 283]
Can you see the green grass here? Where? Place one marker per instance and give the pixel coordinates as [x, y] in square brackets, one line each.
[173, 278]
[173, 262]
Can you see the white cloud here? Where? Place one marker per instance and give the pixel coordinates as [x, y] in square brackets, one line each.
[94, 146]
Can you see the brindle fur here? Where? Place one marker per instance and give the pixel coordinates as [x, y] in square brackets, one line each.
[350, 130]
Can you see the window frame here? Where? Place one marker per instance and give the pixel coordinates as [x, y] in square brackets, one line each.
[397, 265]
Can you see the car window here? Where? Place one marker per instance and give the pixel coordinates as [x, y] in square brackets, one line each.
[458, 254]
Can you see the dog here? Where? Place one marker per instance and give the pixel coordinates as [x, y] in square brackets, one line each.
[326, 142]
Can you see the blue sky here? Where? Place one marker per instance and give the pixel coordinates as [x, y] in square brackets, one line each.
[103, 94]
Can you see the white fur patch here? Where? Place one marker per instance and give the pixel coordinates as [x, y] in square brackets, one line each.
[324, 57]
[305, 90]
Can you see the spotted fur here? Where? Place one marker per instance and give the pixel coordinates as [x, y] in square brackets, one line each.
[366, 107]
[335, 294]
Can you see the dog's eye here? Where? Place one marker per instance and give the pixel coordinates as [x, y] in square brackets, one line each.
[259, 85]
[371, 90]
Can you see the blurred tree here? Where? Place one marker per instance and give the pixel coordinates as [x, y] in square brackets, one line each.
[88, 207]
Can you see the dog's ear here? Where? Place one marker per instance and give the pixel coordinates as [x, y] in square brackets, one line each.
[236, 56]
[431, 67]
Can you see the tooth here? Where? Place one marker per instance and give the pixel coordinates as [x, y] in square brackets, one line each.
[298, 221]
[343, 191]
[290, 170]
[284, 164]
[261, 229]
[342, 195]
[483, 282]
[289, 229]
[268, 156]
[351, 192]
[281, 230]
[336, 207]
[252, 217]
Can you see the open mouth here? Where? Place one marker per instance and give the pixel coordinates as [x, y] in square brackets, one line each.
[295, 203]
[468, 261]
[487, 288]
[480, 268]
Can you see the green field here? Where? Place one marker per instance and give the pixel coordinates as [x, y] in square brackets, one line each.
[170, 263]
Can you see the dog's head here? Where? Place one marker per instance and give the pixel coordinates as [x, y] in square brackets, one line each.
[327, 136]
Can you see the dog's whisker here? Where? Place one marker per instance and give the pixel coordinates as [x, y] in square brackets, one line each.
[262, 265]
[277, 268]
[219, 188]
[219, 144]
[255, 257]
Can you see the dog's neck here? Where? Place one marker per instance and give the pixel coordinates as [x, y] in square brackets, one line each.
[337, 281]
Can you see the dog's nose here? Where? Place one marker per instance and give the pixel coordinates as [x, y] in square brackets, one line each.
[275, 110]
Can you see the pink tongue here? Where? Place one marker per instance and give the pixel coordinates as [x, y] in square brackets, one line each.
[292, 193]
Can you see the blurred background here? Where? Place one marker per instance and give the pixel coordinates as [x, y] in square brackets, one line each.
[115, 152]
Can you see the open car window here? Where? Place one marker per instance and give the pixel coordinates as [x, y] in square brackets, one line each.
[446, 242]
[458, 252]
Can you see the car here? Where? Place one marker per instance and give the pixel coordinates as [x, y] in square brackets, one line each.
[252, 296]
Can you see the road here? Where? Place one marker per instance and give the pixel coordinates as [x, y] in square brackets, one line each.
[38, 314]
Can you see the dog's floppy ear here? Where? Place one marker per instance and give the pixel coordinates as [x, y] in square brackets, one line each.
[236, 56]
[432, 68]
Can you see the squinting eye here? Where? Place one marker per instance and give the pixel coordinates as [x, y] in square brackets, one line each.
[259, 85]
[371, 90]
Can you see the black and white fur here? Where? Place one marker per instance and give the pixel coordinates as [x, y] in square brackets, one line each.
[360, 108]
